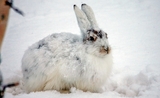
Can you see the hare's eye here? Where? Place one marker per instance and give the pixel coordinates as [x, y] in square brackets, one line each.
[91, 38]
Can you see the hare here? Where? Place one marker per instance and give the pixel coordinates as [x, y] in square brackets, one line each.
[64, 60]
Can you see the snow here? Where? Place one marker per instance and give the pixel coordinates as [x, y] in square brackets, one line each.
[133, 31]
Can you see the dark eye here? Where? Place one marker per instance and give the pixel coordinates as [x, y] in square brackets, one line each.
[91, 38]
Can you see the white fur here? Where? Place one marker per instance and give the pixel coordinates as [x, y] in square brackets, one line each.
[61, 61]
[90, 15]
[82, 20]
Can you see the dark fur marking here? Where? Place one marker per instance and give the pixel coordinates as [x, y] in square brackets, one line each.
[89, 31]
[40, 45]
[26, 70]
[95, 32]
[77, 58]
[99, 34]
[108, 50]
[106, 35]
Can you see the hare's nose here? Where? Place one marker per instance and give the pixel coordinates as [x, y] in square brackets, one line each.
[107, 49]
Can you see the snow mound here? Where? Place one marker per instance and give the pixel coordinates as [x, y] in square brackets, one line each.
[134, 85]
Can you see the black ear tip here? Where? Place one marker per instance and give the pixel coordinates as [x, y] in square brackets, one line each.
[74, 6]
[83, 4]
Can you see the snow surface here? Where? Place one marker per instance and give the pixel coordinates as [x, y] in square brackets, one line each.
[133, 29]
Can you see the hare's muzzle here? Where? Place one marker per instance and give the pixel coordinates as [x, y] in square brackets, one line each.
[105, 50]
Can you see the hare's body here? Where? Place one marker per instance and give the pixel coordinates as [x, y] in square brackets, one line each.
[62, 63]
[63, 60]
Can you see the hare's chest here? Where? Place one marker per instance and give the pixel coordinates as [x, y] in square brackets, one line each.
[97, 68]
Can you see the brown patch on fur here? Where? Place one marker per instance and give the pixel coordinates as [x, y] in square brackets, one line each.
[95, 32]
[108, 50]
[102, 50]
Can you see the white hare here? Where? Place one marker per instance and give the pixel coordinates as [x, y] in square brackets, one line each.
[63, 60]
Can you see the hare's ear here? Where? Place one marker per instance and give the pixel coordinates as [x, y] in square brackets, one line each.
[90, 15]
[83, 21]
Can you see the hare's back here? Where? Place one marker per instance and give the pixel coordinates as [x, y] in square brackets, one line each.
[56, 40]
[50, 49]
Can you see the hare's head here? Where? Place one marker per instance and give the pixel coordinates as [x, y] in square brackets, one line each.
[93, 36]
